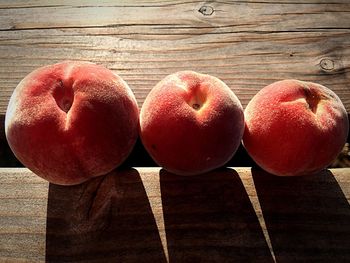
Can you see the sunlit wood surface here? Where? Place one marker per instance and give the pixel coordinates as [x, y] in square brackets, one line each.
[149, 215]
[146, 214]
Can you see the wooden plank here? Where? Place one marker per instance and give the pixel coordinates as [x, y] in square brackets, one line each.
[297, 15]
[149, 215]
[246, 62]
[23, 213]
[146, 214]
[247, 44]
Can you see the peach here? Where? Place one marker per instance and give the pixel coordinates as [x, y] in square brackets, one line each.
[72, 121]
[295, 127]
[191, 123]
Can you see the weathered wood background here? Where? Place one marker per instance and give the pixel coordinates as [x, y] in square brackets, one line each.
[145, 215]
[148, 215]
[248, 44]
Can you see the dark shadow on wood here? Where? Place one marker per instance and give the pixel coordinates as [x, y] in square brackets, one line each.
[307, 217]
[139, 157]
[7, 158]
[240, 159]
[107, 219]
[209, 218]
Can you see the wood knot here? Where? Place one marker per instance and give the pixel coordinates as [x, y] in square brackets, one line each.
[206, 10]
[327, 64]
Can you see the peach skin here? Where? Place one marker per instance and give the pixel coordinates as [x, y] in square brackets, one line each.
[71, 121]
[191, 123]
[295, 127]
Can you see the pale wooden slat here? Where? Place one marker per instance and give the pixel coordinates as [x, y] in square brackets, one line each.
[22, 216]
[48, 3]
[149, 215]
[246, 62]
[154, 216]
[238, 15]
[246, 44]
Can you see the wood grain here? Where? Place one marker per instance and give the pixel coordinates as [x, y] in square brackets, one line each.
[146, 214]
[149, 215]
[248, 44]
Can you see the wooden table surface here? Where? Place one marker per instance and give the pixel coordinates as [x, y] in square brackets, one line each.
[146, 214]
[149, 215]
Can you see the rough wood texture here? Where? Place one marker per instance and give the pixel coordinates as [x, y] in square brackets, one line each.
[149, 215]
[248, 44]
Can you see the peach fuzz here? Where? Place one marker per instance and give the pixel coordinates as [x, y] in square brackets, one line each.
[295, 127]
[191, 123]
[72, 121]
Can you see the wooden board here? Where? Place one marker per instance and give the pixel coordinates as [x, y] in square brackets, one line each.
[248, 44]
[149, 215]
[146, 214]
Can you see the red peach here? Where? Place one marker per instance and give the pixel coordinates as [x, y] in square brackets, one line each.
[191, 123]
[71, 121]
[295, 127]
